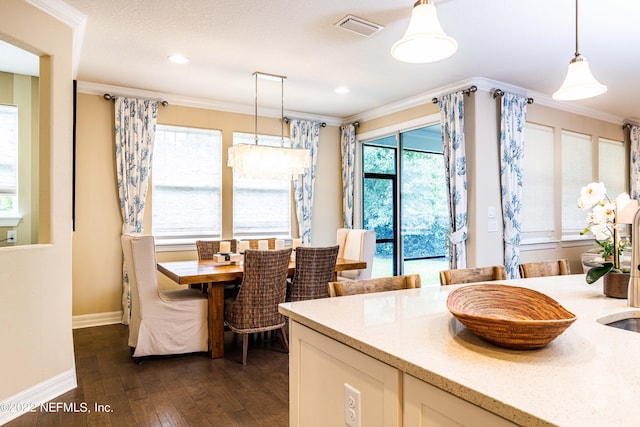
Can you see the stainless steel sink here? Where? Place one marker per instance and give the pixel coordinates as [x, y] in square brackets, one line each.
[628, 320]
[632, 324]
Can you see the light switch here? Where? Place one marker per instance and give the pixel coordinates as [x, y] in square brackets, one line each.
[491, 212]
[492, 225]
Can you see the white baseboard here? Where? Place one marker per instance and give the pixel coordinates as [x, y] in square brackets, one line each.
[96, 319]
[31, 398]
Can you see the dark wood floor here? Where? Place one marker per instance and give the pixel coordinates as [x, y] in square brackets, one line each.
[187, 390]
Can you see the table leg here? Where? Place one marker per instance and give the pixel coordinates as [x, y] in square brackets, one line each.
[216, 319]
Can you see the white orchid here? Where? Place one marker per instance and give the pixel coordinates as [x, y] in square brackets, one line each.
[601, 232]
[602, 218]
[591, 195]
[603, 213]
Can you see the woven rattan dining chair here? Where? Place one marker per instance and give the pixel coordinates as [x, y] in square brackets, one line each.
[264, 286]
[208, 248]
[253, 243]
[315, 268]
[470, 275]
[557, 267]
[381, 284]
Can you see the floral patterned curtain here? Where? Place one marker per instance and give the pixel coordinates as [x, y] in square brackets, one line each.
[348, 152]
[634, 138]
[513, 113]
[305, 134]
[135, 127]
[452, 124]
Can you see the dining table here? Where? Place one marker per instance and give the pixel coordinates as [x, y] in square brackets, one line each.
[215, 275]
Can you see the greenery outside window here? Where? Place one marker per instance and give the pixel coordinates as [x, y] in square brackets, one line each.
[405, 202]
[8, 161]
[261, 208]
[186, 181]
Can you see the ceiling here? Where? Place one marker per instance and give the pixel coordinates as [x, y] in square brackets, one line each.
[524, 43]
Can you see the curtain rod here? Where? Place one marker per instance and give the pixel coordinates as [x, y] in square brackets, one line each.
[627, 126]
[288, 119]
[110, 97]
[467, 91]
[500, 92]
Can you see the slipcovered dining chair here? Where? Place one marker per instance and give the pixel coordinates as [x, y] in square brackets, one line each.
[470, 275]
[558, 267]
[264, 286]
[315, 268]
[380, 284]
[356, 244]
[162, 322]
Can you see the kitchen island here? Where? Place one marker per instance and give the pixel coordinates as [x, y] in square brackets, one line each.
[413, 362]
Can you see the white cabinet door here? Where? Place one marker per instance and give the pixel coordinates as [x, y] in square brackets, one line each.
[426, 405]
[319, 368]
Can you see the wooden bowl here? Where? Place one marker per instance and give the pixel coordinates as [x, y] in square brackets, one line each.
[509, 316]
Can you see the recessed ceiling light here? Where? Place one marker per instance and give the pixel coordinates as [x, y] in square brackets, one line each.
[342, 89]
[178, 59]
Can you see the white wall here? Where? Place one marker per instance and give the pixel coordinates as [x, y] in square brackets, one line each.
[36, 353]
[484, 247]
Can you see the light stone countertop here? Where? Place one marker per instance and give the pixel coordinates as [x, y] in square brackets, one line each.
[588, 376]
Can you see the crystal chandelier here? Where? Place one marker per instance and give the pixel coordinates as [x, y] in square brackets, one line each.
[267, 162]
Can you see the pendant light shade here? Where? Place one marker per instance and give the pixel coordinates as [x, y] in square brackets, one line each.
[425, 40]
[579, 82]
[266, 162]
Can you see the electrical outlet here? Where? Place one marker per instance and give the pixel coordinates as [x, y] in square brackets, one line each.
[12, 236]
[352, 406]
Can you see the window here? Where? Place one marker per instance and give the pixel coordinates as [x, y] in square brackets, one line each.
[611, 166]
[577, 171]
[8, 160]
[538, 179]
[261, 207]
[580, 154]
[186, 182]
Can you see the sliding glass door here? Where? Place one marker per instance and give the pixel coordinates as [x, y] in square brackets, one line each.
[379, 197]
[405, 202]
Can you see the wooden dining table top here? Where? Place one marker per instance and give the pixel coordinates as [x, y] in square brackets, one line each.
[194, 271]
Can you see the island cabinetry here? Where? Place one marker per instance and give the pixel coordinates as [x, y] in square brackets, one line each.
[426, 405]
[319, 368]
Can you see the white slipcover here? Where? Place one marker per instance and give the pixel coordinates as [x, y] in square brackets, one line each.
[162, 322]
[356, 244]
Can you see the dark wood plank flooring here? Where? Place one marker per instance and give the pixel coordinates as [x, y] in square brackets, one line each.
[185, 390]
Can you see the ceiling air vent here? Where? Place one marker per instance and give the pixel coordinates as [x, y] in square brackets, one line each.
[358, 26]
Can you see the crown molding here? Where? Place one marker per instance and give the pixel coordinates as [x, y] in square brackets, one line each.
[548, 101]
[483, 84]
[209, 104]
[487, 85]
[70, 16]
